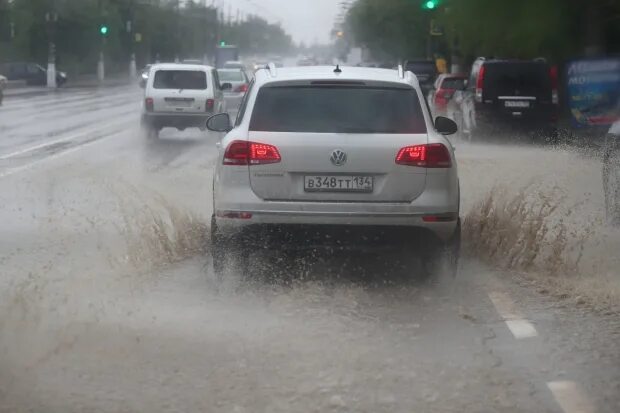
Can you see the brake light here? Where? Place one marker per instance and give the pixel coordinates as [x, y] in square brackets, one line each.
[243, 88]
[251, 153]
[479, 84]
[433, 155]
[149, 104]
[210, 105]
[553, 74]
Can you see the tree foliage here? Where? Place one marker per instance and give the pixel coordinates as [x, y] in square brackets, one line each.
[557, 29]
[166, 29]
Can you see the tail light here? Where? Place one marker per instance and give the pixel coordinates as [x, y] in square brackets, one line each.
[433, 155]
[479, 84]
[553, 74]
[149, 104]
[210, 105]
[251, 153]
[242, 89]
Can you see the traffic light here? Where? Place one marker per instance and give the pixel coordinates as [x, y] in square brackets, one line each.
[430, 4]
[103, 30]
[222, 43]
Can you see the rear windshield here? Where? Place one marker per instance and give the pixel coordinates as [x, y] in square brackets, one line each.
[180, 79]
[453, 83]
[422, 67]
[516, 79]
[337, 109]
[230, 76]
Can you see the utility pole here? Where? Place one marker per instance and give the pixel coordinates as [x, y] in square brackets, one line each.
[51, 18]
[103, 30]
[131, 38]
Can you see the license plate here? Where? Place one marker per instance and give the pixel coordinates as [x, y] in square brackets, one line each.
[338, 183]
[179, 102]
[516, 104]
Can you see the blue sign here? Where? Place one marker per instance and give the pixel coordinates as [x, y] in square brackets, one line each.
[593, 88]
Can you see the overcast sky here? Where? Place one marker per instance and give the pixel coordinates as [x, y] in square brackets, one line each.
[305, 20]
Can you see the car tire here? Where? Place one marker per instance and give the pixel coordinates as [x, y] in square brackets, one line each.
[611, 186]
[227, 252]
[442, 259]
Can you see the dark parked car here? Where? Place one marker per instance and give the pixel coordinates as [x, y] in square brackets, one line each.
[425, 71]
[34, 74]
[510, 96]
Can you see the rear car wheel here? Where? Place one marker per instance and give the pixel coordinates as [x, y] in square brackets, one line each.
[228, 252]
[611, 185]
[442, 259]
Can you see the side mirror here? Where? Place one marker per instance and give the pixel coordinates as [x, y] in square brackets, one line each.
[219, 123]
[226, 86]
[445, 126]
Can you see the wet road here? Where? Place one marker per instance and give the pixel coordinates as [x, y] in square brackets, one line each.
[108, 303]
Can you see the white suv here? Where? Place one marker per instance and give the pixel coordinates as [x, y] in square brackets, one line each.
[334, 157]
[181, 96]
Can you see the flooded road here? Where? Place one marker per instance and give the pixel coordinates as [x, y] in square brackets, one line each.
[108, 302]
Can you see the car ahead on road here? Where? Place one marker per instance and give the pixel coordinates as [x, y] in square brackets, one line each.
[505, 95]
[144, 75]
[32, 73]
[443, 90]
[426, 72]
[611, 174]
[181, 96]
[234, 64]
[239, 85]
[334, 157]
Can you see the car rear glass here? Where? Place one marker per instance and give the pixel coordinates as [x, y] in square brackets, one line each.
[180, 79]
[516, 79]
[337, 109]
[453, 83]
[231, 76]
[422, 67]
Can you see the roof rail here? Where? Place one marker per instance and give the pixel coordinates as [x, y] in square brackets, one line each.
[401, 72]
[272, 69]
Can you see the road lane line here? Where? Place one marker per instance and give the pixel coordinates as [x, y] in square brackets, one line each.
[30, 165]
[570, 397]
[59, 140]
[516, 322]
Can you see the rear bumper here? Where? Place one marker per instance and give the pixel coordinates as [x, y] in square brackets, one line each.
[334, 237]
[230, 223]
[490, 117]
[176, 120]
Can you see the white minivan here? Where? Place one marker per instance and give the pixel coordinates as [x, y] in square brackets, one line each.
[181, 96]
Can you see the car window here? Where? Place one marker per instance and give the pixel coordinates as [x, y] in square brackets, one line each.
[453, 83]
[231, 75]
[338, 109]
[180, 79]
[510, 79]
[244, 104]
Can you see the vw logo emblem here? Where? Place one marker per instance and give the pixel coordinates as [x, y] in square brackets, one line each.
[338, 157]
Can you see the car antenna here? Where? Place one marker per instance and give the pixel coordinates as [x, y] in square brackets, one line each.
[337, 69]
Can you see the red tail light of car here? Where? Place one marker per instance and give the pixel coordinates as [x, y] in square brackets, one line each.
[242, 89]
[149, 104]
[210, 104]
[432, 155]
[479, 84]
[251, 153]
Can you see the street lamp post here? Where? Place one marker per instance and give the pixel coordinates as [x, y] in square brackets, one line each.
[51, 18]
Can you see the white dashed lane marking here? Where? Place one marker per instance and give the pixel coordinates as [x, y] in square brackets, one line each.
[570, 397]
[516, 322]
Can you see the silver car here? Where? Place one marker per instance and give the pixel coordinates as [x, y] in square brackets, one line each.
[239, 81]
[333, 157]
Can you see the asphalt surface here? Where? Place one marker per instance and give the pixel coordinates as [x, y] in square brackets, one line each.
[108, 302]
